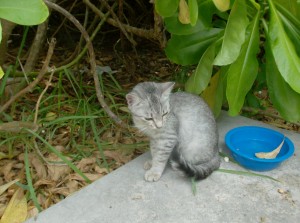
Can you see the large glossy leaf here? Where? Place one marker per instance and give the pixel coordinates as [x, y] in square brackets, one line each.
[283, 50]
[284, 98]
[29, 12]
[213, 94]
[199, 80]
[175, 27]
[234, 36]
[184, 12]
[243, 71]
[206, 11]
[166, 8]
[291, 25]
[187, 50]
[292, 6]
[193, 7]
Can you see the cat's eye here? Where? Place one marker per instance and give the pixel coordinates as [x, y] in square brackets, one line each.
[164, 114]
[149, 119]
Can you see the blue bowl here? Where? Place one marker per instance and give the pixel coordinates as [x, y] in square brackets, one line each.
[245, 141]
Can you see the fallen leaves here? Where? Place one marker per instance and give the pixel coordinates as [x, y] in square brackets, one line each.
[270, 155]
[52, 179]
[16, 210]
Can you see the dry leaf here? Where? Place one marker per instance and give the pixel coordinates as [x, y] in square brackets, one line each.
[72, 185]
[6, 186]
[50, 116]
[84, 163]
[16, 210]
[33, 211]
[272, 154]
[44, 182]
[101, 170]
[2, 208]
[38, 166]
[55, 172]
[3, 156]
[7, 171]
[184, 12]
[61, 191]
[117, 156]
[17, 126]
[222, 5]
[90, 176]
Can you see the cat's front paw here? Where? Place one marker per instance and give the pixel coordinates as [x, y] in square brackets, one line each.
[148, 164]
[152, 175]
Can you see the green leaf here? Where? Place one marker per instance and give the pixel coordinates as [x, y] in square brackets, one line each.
[291, 25]
[242, 73]
[29, 12]
[0, 32]
[175, 27]
[246, 173]
[213, 94]
[1, 73]
[188, 49]
[234, 36]
[292, 6]
[166, 8]
[292, 31]
[284, 98]
[193, 8]
[199, 80]
[206, 11]
[283, 50]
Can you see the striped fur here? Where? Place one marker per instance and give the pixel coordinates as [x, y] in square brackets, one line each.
[181, 129]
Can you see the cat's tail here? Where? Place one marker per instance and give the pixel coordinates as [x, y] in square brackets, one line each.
[198, 171]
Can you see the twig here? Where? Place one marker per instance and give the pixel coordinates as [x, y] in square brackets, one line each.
[41, 95]
[7, 28]
[41, 74]
[36, 45]
[53, 163]
[120, 25]
[23, 70]
[148, 34]
[92, 60]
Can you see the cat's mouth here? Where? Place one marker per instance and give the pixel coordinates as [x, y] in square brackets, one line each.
[156, 124]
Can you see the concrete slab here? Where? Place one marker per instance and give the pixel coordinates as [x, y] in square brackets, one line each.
[124, 196]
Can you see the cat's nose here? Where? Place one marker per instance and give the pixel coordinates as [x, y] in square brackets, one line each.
[158, 123]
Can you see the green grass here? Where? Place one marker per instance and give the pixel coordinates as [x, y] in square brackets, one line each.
[78, 113]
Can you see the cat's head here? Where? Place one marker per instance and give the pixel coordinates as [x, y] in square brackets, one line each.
[149, 103]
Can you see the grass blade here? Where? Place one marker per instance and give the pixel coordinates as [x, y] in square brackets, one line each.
[29, 182]
[61, 156]
[246, 173]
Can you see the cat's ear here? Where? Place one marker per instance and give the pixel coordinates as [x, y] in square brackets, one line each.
[167, 88]
[132, 99]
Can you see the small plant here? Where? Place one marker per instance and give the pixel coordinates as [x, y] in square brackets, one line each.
[231, 42]
[29, 12]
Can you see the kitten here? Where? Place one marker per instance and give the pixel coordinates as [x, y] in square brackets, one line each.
[181, 128]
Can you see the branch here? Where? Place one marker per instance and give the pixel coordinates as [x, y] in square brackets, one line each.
[41, 95]
[30, 87]
[148, 34]
[120, 25]
[92, 60]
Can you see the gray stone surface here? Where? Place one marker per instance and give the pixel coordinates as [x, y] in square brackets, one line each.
[124, 196]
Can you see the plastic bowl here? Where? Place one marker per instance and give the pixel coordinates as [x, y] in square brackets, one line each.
[245, 141]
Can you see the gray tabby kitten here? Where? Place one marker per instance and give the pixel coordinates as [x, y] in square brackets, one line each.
[181, 128]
